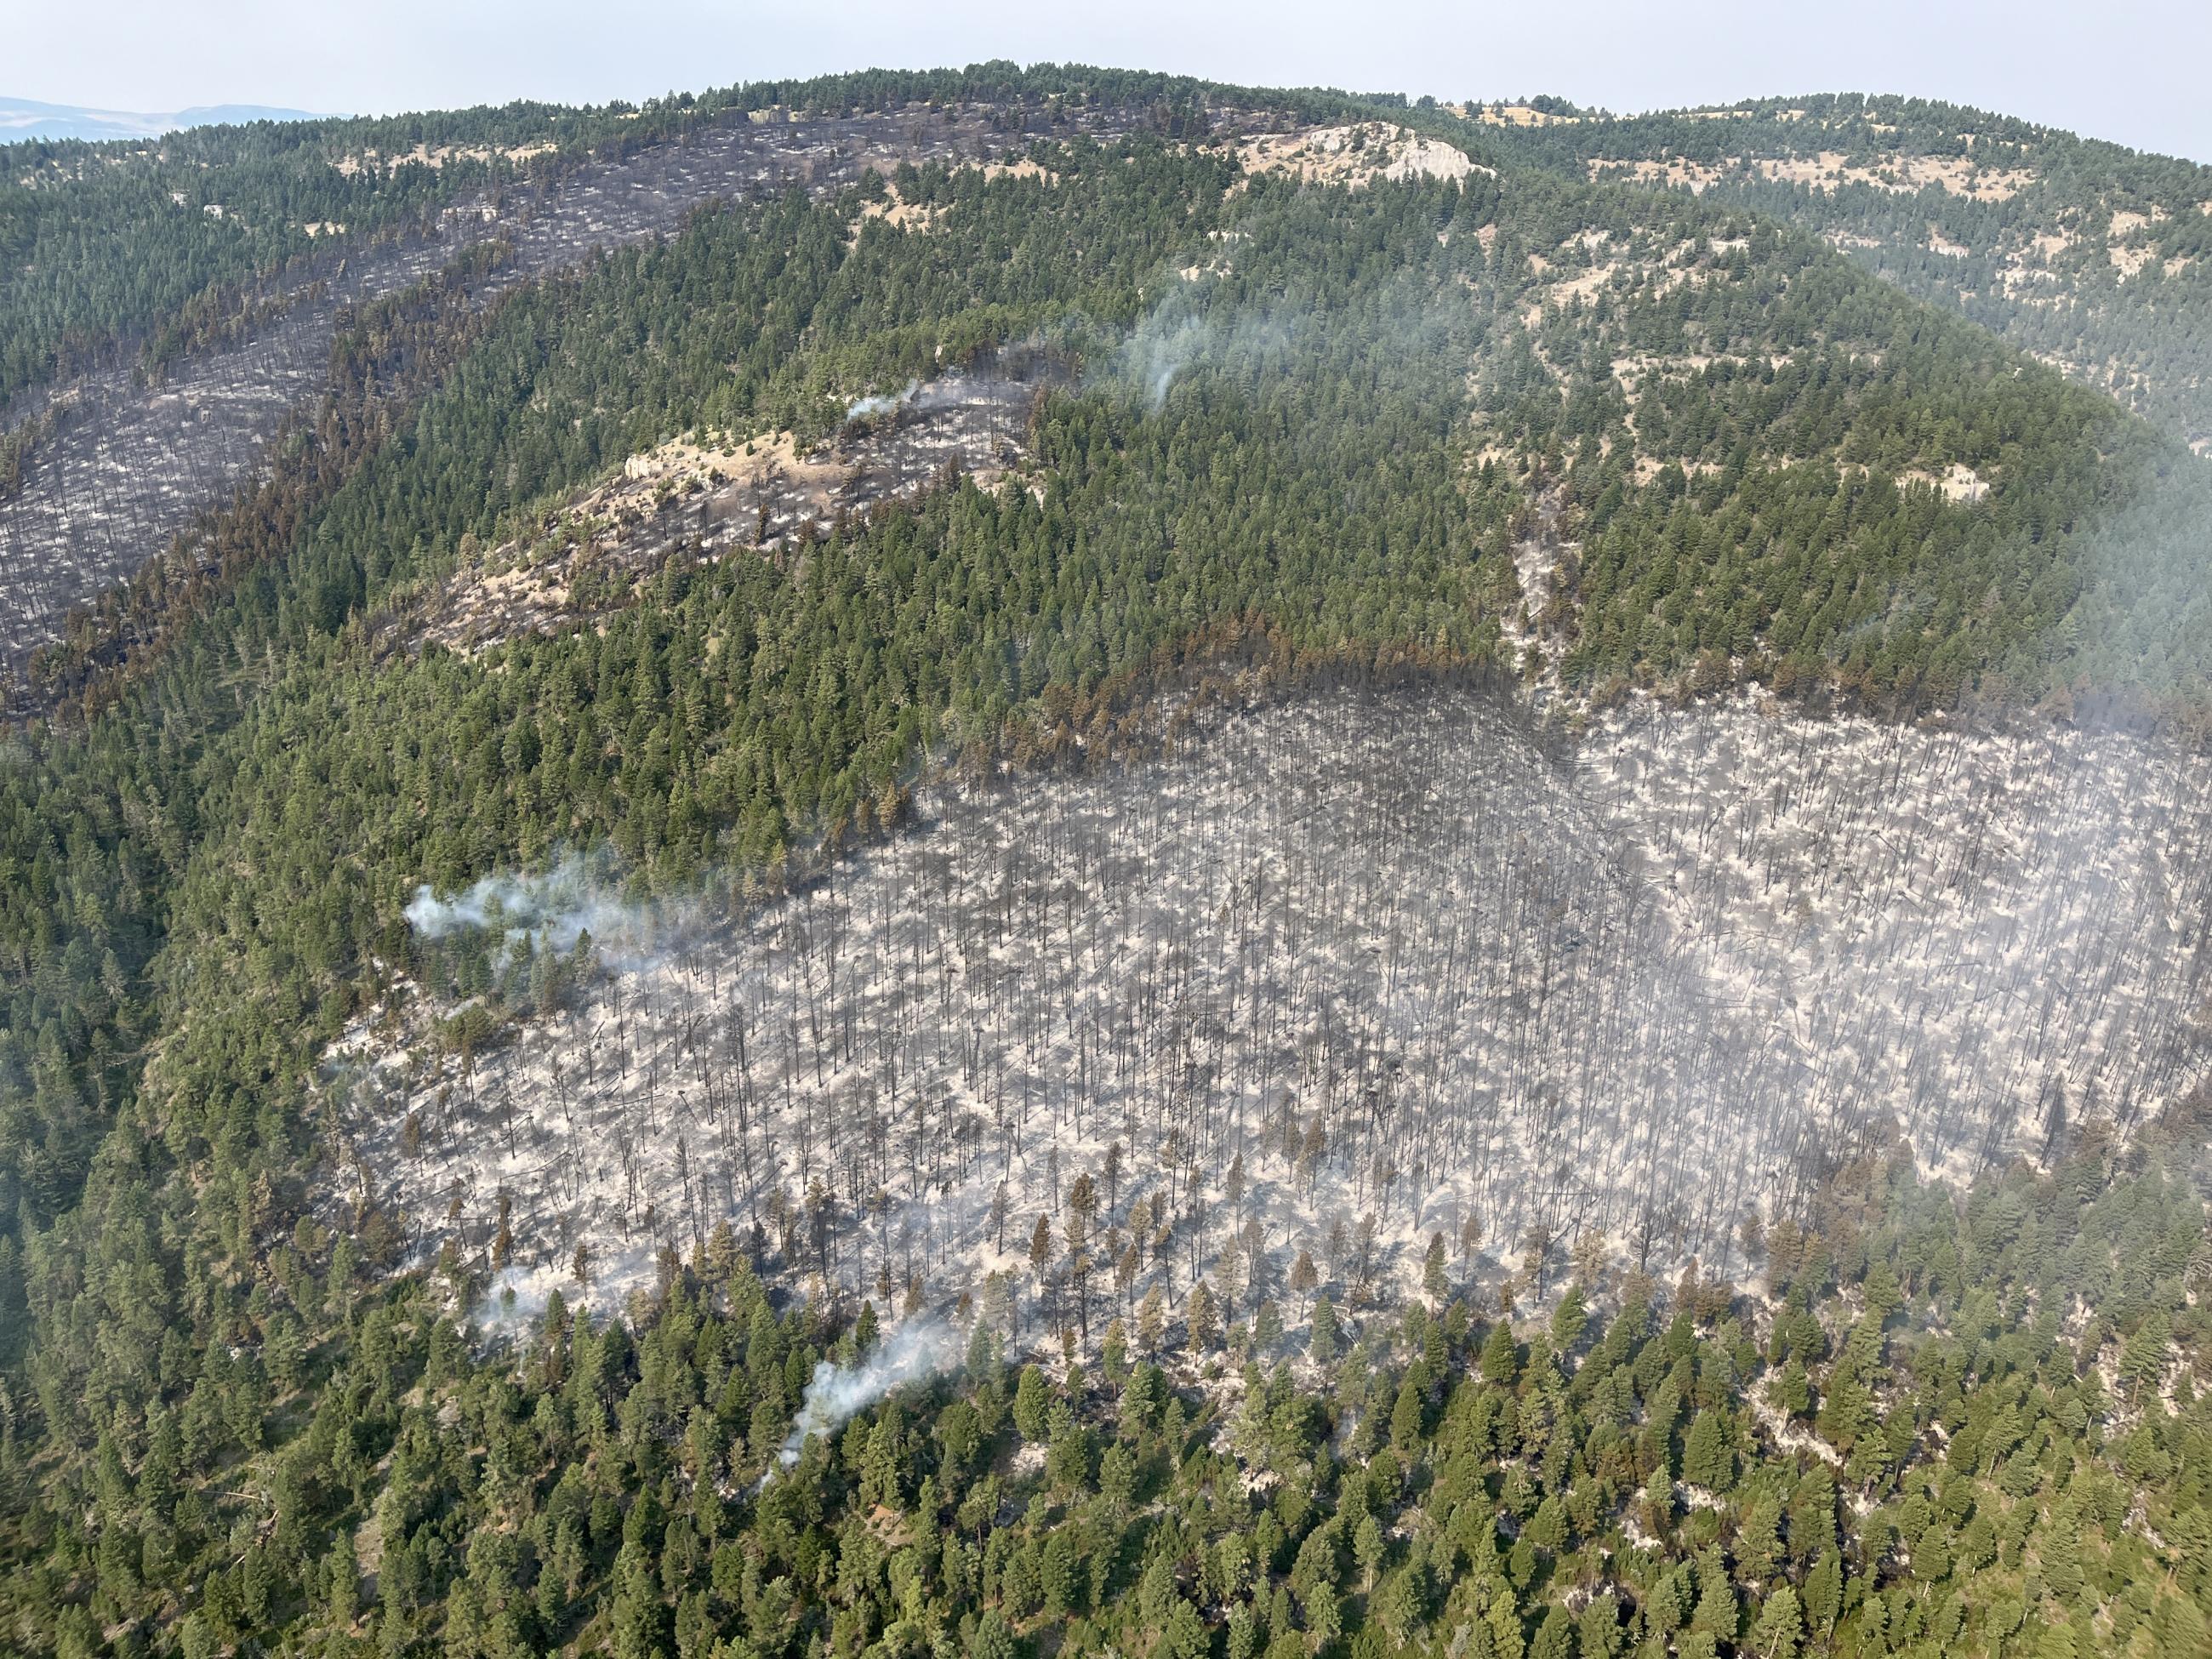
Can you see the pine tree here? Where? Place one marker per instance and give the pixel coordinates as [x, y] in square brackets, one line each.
[2060, 1552]
[1151, 1320]
[1407, 1599]
[1367, 1548]
[1243, 1632]
[1824, 1593]
[993, 1639]
[1434, 1284]
[1597, 1628]
[1781, 1626]
[1707, 1460]
[1032, 1397]
[1204, 1322]
[1846, 1415]
[641, 1618]
[1322, 1340]
[1501, 1356]
[1406, 1427]
[1041, 1249]
[882, 1471]
[1569, 1321]
[2144, 1359]
[1759, 1539]
[1792, 1391]
[1717, 1612]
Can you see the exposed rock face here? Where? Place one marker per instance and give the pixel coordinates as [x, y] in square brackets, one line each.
[1355, 154]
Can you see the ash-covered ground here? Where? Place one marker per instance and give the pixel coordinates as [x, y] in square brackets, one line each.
[129, 465]
[692, 502]
[1343, 975]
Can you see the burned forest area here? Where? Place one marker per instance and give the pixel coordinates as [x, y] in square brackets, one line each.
[683, 505]
[1032, 862]
[1340, 976]
[118, 461]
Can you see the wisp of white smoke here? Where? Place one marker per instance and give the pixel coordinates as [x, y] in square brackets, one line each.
[1178, 335]
[554, 909]
[880, 402]
[908, 1355]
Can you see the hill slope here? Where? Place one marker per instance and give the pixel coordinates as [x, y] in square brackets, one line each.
[1163, 761]
[2091, 256]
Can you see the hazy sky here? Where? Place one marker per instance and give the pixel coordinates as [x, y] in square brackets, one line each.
[2128, 70]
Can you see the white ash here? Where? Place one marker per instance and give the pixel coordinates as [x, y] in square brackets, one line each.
[1638, 989]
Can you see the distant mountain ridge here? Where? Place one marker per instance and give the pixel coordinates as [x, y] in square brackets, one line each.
[26, 117]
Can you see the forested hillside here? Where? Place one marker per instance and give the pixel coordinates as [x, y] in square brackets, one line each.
[676, 557]
[153, 246]
[2088, 254]
[179, 372]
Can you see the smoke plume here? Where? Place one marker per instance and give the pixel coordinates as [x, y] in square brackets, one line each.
[1181, 334]
[880, 402]
[554, 910]
[908, 1355]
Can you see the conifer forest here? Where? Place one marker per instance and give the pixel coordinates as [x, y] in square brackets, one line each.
[1032, 862]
